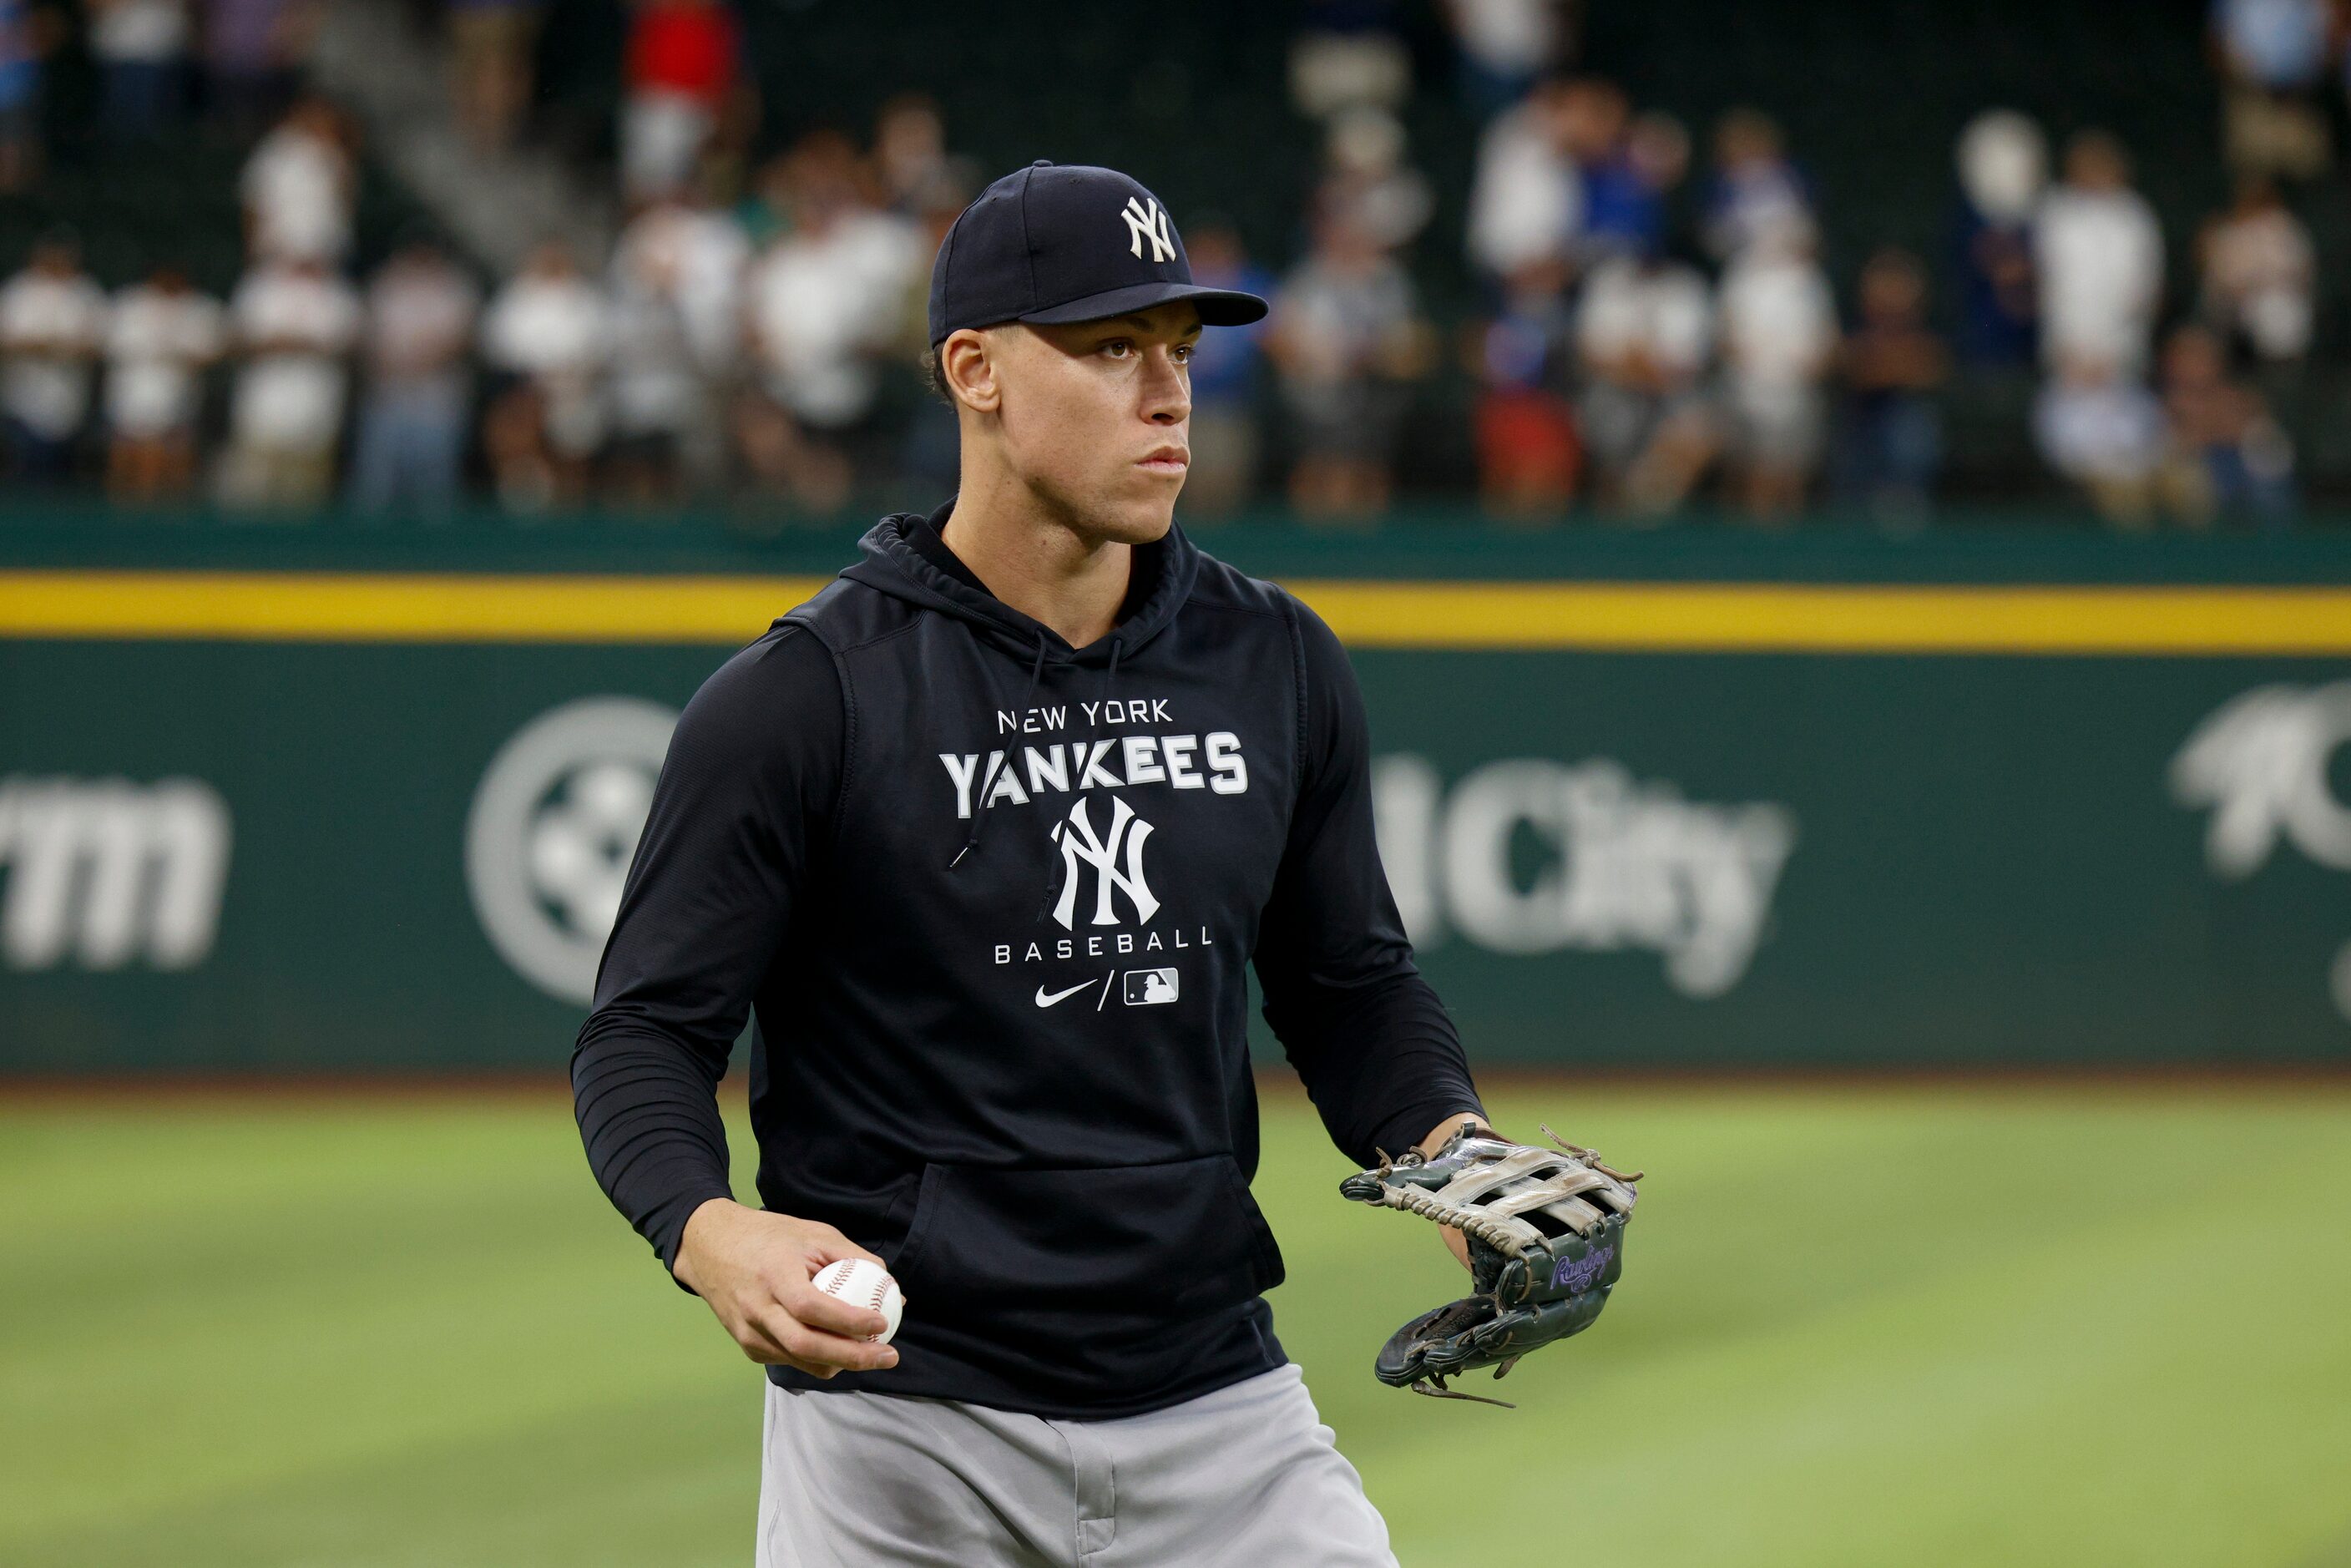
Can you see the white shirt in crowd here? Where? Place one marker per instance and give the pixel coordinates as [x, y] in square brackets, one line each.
[656, 380]
[157, 345]
[822, 305]
[1511, 37]
[1778, 320]
[1527, 203]
[2100, 259]
[295, 328]
[1663, 314]
[51, 328]
[296, 188]
[2109, 430]
[557, 329]
[2259, 273]
[139, 32]
[547, 326]
[704, 254]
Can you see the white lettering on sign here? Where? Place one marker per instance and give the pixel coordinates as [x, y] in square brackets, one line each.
[102, 872]
[2260, 764]
[1621, 863]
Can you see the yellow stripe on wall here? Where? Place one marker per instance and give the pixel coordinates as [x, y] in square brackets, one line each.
[299, 607]
[296, 606]
[1839, 619]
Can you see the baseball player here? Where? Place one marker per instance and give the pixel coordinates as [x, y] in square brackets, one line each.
[982, 838]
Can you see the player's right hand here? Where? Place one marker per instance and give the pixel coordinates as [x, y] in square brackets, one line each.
[753, 1268]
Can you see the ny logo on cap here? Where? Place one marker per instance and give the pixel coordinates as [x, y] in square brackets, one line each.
[1149, 224]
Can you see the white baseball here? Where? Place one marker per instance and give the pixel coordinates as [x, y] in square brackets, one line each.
[864, 1284]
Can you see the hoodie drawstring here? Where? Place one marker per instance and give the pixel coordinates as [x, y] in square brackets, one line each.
[979, 807]
[1109, 672]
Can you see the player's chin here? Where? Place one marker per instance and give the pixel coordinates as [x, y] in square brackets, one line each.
[1139, 514]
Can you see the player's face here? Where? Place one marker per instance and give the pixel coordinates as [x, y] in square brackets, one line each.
[1097, 417]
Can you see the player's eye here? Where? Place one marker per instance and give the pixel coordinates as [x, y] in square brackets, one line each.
[1118, 348]
[1184, 353]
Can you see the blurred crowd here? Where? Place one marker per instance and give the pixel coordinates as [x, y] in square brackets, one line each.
[1617, 363]
[1651, 325]
[1631, 360]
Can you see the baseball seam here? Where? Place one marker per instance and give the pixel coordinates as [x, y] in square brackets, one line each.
[841, 1281]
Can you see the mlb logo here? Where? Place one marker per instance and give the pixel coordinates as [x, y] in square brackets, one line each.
[1149, 987]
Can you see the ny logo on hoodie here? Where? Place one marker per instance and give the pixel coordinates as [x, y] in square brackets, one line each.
[1080, 842]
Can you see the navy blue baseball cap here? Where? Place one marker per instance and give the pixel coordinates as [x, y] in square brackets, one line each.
[1068, 242]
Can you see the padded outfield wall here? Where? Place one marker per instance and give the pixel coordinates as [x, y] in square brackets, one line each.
[322, 798]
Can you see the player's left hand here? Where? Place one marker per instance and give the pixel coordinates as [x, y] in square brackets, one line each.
[1455, 1242]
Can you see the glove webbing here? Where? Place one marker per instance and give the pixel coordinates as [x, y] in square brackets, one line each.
[1476, 1222]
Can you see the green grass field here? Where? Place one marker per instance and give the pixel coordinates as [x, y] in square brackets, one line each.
[1883, 1326]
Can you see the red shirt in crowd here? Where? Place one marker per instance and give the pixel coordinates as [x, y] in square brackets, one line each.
[688, 47]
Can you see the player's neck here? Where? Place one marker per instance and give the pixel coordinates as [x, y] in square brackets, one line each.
[1036, 563]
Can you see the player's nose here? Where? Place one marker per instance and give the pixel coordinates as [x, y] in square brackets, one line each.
[1167, 390]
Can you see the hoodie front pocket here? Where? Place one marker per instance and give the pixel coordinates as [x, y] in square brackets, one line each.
[1090, 1254]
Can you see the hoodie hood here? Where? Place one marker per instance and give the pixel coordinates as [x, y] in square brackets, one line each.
[889, 563]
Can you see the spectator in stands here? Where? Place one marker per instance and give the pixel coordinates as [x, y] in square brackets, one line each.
[823, 306]
[1658, 146]
[2099, 254]
[1530, 454]
[548, 333]
[1506, 46]
[1348, 54]
[2260, 276]
[1366, 173]
[27, 32]
[1892, 363]
[703, 255]
[295, 323]
[918, 175]
[2272, 55]
[1779, 334]
[140, 49]
[1225, 369]
[764, 213]
[1346, 336]
[1526, 202]
[299, 187]
[2004, 171]
[2098, 426]
[252, 53]
[491, 44]
[659, 394]
[684, 60]
[422, 311]
[52, 328]
[160, 335]
[2224, 455]
[1755, 189]
[1645, 338]
[1623, 200]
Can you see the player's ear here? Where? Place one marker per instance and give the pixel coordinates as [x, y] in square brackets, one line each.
[968, 369]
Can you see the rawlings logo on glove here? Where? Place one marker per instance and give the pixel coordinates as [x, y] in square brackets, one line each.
[1546, 1231]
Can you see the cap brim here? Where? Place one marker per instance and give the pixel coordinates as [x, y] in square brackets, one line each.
[1218, 306]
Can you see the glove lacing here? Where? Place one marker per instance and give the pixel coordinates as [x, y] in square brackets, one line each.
[1476, 1221]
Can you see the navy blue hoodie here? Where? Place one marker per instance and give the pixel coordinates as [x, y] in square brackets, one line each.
[991, 900]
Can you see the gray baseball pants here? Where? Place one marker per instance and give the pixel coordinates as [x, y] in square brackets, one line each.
[1246, 1477]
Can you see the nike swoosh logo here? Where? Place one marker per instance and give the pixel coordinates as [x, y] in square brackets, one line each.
[1045, 1001]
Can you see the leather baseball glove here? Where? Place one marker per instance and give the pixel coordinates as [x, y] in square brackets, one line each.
[1546, 1232]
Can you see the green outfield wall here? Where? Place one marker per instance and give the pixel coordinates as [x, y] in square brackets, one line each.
[1992, 796]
